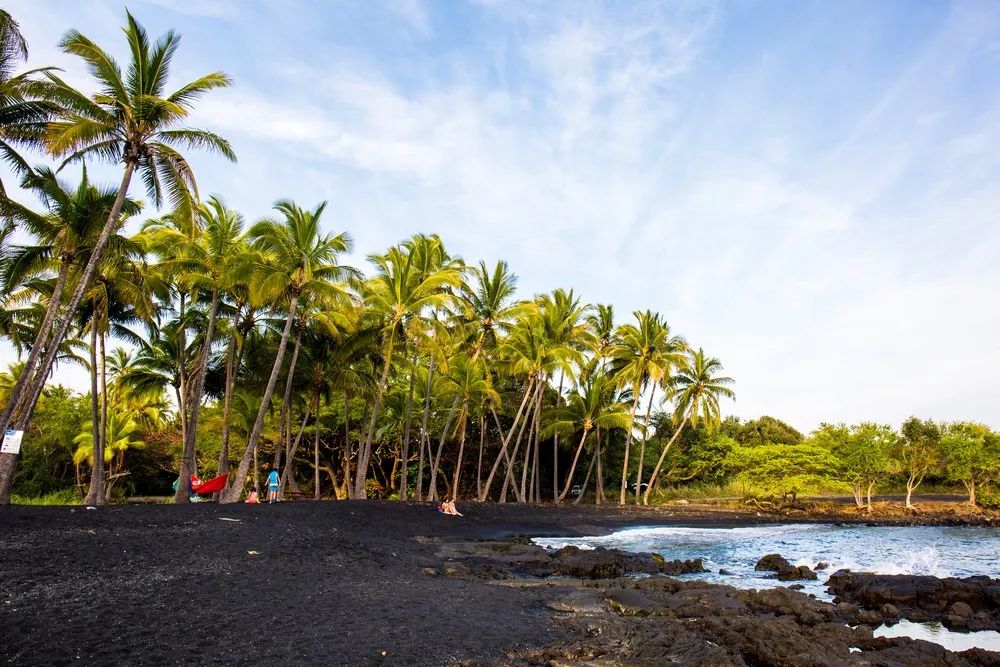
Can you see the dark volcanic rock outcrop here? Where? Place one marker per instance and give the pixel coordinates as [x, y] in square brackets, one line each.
[785, 570]
[972, 603]
[505, 559]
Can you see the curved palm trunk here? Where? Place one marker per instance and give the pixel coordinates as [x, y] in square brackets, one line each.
[34, 387]
[642, 448]
[361, 475]
[628, 442]
[237, 484]
[599, 482]
[197, 390]
[424, 437]
[572, 467]
[556, 496]
[479, 464]
[227, 406]
[316, 450]
[104, 404]
[506, 441]
[404, 454]
[586, 479]
[461, 451]
[95, 494]
[285, 418]
[286, 474]
[525, 428]
[432, 487]
[663, 455]
[38, 346]
[526, 491]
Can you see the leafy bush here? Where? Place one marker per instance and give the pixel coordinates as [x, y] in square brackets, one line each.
[988, 499]
[60, 497]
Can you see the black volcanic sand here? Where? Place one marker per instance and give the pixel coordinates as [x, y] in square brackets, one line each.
[350, 583]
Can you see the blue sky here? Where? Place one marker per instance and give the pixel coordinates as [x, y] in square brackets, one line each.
[808, 190]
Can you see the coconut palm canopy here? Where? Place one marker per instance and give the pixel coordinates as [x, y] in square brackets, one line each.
[221, 345]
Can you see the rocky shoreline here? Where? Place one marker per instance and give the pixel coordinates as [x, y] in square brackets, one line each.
[627, 609]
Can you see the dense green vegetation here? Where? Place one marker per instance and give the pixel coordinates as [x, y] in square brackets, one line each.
[218, 346]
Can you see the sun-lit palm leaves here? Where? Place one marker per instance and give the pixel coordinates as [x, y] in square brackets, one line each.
[299, 261]
[644, 355]
[22, 112]
[131, 120]
[409, 279]
[695, 389]
[592, 405]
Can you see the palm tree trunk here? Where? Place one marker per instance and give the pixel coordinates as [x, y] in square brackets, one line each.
[506, 441]
[556, 496]
[9, 461]
[628, 442]
[361, 475]
[572, 468]
[663, 455]
[286, 474]
[95, 494]
[525, 428]
[285, 418]
[479, 465]
[424, 436]
[599, 482]
[236, 487]
[197, 390]
[41, 338]
[227, 406]
[525, 494]
[586, 479]
[316, 450]
[405, 449]
[461, 451]
[642, 448]
[104, 401]
[432, 487]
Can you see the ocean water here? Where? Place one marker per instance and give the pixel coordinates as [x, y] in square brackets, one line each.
[934, 550]
[939, 551]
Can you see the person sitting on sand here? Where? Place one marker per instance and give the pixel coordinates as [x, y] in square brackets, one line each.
[252, 499]
[273, 485]
[448, 507]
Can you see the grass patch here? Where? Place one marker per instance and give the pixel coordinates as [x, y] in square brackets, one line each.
[61, 497]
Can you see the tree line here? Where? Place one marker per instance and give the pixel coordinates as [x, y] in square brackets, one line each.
[425, 377]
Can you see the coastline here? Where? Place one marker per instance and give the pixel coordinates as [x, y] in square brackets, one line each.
[306, 583]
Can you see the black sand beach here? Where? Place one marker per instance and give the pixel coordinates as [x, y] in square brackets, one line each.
[314, 583]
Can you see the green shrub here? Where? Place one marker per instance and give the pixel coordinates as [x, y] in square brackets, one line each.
[61, 497]
[988, 499]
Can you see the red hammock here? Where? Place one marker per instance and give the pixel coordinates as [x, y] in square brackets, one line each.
[211, 486]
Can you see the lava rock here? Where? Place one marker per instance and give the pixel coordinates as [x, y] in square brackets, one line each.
[968, 603]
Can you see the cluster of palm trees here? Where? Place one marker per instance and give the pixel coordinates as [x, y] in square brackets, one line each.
[406, 380]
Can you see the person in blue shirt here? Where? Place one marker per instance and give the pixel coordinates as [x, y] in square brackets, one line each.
[272, 485]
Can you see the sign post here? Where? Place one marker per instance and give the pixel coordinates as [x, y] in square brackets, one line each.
[11, 442]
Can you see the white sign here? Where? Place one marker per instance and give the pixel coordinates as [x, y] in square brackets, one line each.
[11, 442]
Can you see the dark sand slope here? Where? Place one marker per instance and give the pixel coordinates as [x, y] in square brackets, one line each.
[331, 583]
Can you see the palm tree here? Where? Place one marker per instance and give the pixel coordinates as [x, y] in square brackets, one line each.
[565, 324]
[591, 406]
[644, 354]
[213, 262]
[22, 112]
[468, 382]
[695, 390]
[129, 120]
[402, 288]
[63, 235]
[302, 263]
